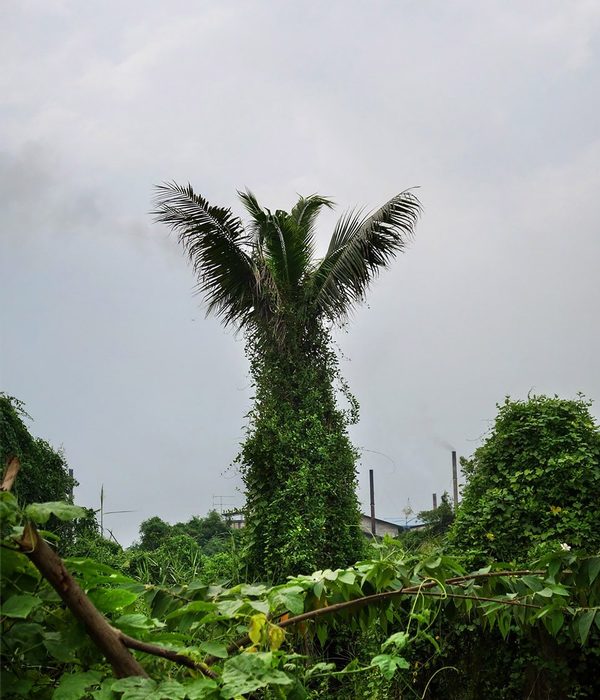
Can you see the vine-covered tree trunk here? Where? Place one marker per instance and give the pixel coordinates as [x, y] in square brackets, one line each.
[298, 465]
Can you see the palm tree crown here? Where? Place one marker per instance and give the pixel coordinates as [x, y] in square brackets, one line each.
[258, 276]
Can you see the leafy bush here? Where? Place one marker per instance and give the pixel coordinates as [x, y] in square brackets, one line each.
[535, 480]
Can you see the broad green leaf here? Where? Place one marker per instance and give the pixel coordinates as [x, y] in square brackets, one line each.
[9, 508]
[41, 512]
[291, 599]
[228, 608]
[105, 691]
[322, 634]
[584, 622]
[136, 688]
[260, 605]
[389, 664]
[201, 689]
[321, 667]
[246, 673]
[252, 590]
[196, 606]
[593, 568]
[20, 606]
[533, 583]
[399, 640]
[348, 577]
[217, 649]
[74, 686]
[112, 599]
[136, 621]
[58, 647]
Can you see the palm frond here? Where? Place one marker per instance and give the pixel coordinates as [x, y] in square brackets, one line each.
[359, 249]
[215, 241]
[306, 210]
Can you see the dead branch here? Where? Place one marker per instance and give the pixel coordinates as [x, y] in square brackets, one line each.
[10, 474]
[104, 636]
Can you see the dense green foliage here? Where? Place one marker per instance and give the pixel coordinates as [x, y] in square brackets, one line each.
[44, 473]
[209, 533]
[532, 488]
[46, 653]
[536, 479]
[298, 464]
[403, 624]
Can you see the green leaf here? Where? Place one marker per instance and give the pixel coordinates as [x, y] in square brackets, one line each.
[74, 686]
[593, 568]
[399, 640]
[348, 577]
[136, 621]
[41, 512]
[217, 649]
[533, 583]
[388, 664]
[196, 606]
[9, 508]
[20, 606]
[291, 599]
[246, 673]
[201, 689]
[59, 649]
[112, 599]
[584, 622]
[136, 688]
[228, 608]
[321, 667]
[260, 605]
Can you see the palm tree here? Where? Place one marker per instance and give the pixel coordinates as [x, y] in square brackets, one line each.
[263, 278]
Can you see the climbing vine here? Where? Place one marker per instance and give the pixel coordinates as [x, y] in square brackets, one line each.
[297, 461]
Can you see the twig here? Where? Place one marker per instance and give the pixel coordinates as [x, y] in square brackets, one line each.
[173, 656]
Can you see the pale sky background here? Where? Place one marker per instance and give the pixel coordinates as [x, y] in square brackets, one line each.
[492, 108]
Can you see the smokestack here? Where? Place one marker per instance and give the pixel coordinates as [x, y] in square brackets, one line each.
[454, 480]
[434, 501]
[372, 490]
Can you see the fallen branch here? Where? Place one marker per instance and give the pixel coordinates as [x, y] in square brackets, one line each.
[104, 636]
[52, 568]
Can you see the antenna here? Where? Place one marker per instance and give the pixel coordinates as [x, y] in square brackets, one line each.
[108, 512]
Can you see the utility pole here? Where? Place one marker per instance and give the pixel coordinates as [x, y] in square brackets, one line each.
[102, 510]
[454, 480]
[372, 490]
[434, 501]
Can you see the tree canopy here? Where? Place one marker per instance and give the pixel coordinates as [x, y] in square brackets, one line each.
[262, 277]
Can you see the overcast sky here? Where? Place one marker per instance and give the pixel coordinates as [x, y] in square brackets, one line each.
[491, 108]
